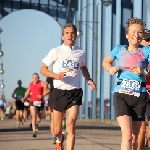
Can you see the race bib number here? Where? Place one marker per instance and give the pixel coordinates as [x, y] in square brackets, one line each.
[37, 103]
[130, 87]
[26, 103]
[70, 65]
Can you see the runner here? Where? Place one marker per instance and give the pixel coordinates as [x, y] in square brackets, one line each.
[141, 137]
[130, 93]
[66, 96]
[35, 91]
[2, 105]
[26, 109]
[48, 86]
[18, 94]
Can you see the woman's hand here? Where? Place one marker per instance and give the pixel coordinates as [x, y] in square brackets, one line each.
[113, 70]
[137, 70]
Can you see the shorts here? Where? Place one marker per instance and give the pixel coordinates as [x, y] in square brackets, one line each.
[130, 105]
[2, 107]
[26, 104]
[19, 105]
[148, 109]
[38, 108]
[62, 100]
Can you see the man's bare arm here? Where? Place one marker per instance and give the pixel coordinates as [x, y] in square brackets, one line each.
[13, 94]
[45, 72]
[86, 74]
[46, 90]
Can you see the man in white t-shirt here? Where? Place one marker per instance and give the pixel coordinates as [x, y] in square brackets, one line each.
[66, 96]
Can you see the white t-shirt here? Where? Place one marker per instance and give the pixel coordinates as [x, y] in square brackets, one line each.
[65, 59]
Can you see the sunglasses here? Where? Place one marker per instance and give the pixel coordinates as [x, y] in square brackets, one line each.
[147, 40]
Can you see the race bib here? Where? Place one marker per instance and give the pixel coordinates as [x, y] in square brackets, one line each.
[1, 103]
[37, 103]
[130, 87]
[26, 103]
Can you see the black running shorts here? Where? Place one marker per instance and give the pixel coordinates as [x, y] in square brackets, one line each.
[19, 105]
[148, 110]
[130, 105]
[62, 100]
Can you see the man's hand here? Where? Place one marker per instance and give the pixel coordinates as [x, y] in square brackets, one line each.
[92, 84]
[23, 99]
[39, 96]
[60, 76]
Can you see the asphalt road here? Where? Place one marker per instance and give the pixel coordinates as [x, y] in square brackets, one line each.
[90, 135]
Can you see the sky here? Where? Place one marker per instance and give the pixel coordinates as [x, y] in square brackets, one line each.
[27, 37]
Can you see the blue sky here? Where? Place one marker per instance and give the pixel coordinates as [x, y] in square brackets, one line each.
[27, 37]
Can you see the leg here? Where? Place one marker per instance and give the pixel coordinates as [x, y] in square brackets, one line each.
[17, 118]
[38, 120]
[71, 119]
[51, 127]
[21, 116]
[141, 136]
[148, 134]
[136, 130]
[57, 123]
[125, 123]
[25, 113]
[50, 111]
[33, 111]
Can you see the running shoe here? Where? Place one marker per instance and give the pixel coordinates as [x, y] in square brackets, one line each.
[59, 145]
[54, 139]
[34, 134]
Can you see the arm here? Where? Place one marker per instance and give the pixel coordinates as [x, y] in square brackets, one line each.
[107, 64]
[13, 94]
[45, 72]
[46, 90]
[86, 74]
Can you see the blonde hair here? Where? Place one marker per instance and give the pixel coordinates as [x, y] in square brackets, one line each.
[69, 25]
[134, 20]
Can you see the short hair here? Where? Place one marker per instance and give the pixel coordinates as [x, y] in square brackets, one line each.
[134, 20]
[19, 82]
[69, 25]
[36, 74]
